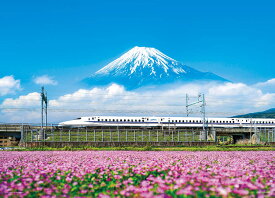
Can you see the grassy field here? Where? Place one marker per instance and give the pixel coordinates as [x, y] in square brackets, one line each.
[149, 148]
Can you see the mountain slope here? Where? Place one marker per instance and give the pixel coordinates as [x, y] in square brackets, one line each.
[143, 66]
[270, 113]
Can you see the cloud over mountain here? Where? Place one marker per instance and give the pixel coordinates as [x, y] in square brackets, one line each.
[222, 99]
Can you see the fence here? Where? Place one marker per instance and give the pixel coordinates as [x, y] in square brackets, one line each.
[136, 136]
[81, 134]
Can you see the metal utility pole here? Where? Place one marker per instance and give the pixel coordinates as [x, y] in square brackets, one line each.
[201, 96]
[44, 107]
[201, 99]
[187, 109]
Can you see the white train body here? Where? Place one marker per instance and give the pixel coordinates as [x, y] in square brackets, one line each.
[125, 121]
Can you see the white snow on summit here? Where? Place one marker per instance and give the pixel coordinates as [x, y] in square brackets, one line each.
[144, 57]
[145, 66]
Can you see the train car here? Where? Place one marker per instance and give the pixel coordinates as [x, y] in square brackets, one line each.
[126, 121]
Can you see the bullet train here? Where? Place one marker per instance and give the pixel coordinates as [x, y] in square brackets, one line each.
[124, 121]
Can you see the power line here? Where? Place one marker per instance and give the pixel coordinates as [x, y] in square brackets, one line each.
[119, 111]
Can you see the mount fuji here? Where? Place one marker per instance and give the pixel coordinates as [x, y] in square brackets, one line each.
[144, 66]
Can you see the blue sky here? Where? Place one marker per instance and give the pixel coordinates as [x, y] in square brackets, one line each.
[70, 39]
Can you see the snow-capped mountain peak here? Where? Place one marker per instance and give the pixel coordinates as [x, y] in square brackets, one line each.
[145, 57]
[142, 66]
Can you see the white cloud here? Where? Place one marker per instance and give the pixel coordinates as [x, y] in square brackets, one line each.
[224, 99]
[8, 85]
[267, 86]
[22, 109]
[45, 80]
[29, 100]
[266, 83]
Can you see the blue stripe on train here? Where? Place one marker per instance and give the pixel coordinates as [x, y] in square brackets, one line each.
[126, 122]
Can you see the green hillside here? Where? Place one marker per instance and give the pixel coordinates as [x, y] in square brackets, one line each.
[270, 113]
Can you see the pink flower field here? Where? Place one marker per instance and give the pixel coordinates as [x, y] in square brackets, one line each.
[137, 174]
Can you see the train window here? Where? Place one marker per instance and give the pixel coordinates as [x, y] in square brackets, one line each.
[139, 120]
[131, 120]
[98, 120]
[106, 120]
[88, 118]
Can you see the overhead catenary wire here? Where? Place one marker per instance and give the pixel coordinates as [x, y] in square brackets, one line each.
[209, 101]
[120, 111]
